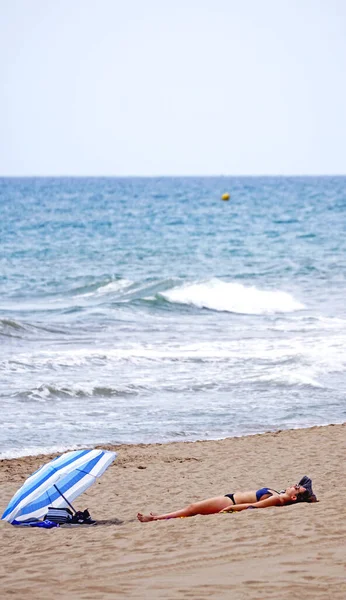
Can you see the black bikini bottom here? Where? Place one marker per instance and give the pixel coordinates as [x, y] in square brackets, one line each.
[231, 496]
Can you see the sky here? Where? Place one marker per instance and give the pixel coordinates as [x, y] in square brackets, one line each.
[172, 87]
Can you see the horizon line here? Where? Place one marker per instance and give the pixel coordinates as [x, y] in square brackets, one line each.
[220, 175]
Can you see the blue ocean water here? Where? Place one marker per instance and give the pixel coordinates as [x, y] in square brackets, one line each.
[149, 310]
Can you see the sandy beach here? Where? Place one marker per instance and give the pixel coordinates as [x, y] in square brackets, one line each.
[290, 552]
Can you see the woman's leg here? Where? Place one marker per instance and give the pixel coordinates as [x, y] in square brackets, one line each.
[205, 507]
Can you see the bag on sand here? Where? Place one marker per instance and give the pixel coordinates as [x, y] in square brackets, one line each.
[65, 515]
[82, 517]
[59, 515]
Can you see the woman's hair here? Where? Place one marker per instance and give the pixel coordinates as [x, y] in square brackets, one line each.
[303, 497]
[306, 497]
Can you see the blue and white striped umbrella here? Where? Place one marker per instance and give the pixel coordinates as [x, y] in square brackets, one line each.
[57, 483]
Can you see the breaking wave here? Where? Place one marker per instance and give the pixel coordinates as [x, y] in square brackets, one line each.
[233, 297]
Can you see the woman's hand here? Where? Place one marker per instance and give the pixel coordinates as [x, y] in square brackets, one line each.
[235, 508]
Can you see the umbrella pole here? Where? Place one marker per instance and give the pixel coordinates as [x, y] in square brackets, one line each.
[61, 494]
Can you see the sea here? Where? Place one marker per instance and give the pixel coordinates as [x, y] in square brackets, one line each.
[143, 310]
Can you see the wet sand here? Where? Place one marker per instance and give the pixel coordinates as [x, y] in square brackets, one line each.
[289, 552]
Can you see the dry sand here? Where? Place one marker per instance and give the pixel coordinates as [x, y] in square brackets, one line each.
[289, 552]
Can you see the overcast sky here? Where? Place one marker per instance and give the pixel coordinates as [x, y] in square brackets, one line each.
[172, 87]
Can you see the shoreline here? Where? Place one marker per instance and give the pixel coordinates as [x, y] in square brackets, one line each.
[56, 451]
[281, 552]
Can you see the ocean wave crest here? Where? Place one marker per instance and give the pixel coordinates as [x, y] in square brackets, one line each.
[11, 328]
[103, 287]
[16, 329]
[213, 294]
[51, 391]
[232, 297]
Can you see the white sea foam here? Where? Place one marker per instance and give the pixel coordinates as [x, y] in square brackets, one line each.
[324, 351]
[287, 377]
[233, 297]
[35, 451]
[305, 323]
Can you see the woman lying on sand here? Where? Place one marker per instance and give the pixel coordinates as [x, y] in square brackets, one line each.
[300, 492]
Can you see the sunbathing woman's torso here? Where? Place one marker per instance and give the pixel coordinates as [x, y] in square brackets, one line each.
[253, 495]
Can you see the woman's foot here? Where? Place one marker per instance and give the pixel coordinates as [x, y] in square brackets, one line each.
[145, 518]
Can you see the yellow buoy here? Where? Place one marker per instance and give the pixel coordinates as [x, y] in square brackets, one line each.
[225, 196]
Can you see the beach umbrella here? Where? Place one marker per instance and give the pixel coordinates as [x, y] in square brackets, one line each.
[57, 483]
